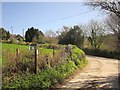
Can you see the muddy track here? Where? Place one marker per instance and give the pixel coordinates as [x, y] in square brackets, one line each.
[99, 73]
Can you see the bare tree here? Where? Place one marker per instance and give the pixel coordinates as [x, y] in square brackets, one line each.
[51, 37]
[97, 32]
[50, 33]
[113, 9]
[114, 24]
[112, 6]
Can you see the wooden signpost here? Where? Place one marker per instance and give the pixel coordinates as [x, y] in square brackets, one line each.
[36, 59]
[35, 48]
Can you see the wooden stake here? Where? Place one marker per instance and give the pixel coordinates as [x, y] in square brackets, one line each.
[17, 55]
[36, 59]
[17, 52]
[53, 51]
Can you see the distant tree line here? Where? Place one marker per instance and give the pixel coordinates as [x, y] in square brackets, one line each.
[6, 35]
[94, 33]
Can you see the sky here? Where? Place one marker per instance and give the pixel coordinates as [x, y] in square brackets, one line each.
[45, 15]
[44, 0]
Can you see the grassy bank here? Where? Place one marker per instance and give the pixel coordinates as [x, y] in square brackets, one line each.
[61, 66]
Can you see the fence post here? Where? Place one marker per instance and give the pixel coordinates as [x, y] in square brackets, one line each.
[17, 52]
[53, 51]
[17, 55]
[36, 59]
[47, 60]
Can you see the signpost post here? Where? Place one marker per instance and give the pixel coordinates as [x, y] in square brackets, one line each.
[35, 48]
[36, 59]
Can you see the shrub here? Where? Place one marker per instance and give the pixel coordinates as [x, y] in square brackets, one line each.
[51, 46]
[45, 79]
[61, 68]
[103, 53]
[13, 41]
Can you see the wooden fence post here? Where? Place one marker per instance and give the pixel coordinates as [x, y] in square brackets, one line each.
[36, 59]
[17, 52]
[47, 60]
[53, 51]
[17, 55]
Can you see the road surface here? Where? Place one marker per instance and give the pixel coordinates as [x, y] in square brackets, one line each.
[99, 73]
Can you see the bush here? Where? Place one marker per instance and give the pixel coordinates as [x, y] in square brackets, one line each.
[13, 41]
[5, 41]
[102, 53]
[51, 46]
[44, 79]
[48, 76]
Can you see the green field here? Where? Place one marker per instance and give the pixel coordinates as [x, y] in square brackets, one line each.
[11, 49]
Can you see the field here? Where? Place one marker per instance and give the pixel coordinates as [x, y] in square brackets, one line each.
[55, 63]
[11, 49]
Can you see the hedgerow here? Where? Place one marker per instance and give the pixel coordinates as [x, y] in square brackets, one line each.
[48, 76]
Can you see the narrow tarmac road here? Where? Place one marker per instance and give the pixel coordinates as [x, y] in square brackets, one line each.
[99, 73]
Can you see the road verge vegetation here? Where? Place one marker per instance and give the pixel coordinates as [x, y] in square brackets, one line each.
[103, 53]
[62, 62]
